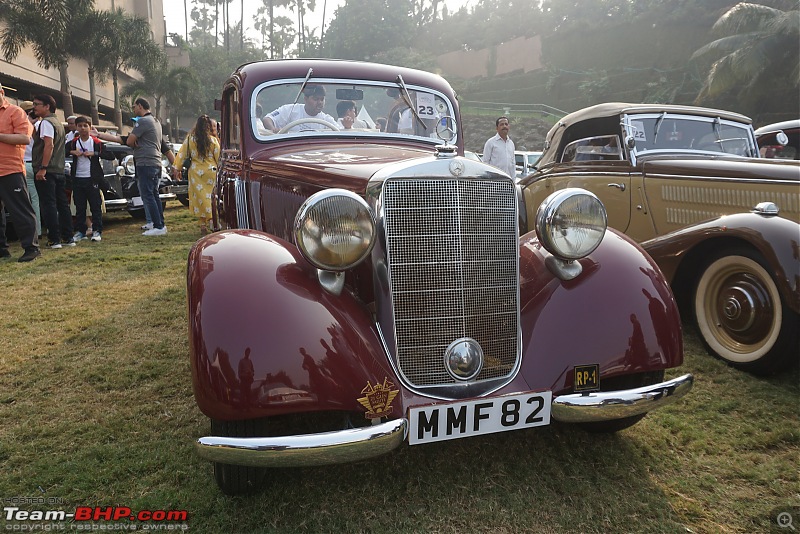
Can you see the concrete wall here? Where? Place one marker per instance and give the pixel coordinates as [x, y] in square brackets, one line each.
[523, 53]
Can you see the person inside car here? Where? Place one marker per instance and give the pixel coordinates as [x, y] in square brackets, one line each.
[314, 96]
[346, 110]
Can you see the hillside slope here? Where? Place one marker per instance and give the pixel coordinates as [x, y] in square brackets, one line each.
[528, 134]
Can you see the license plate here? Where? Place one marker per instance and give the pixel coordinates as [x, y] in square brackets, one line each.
[587, 378]
[137, 201]
[462, 419]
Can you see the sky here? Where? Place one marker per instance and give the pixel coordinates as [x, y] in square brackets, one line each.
[173, 12]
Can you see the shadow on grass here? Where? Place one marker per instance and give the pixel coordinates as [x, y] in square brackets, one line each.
[556, 479]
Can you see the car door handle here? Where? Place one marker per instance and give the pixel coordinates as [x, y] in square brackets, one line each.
[621, 187]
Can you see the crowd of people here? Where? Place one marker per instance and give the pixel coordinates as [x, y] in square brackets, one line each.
[34, 189]
[34, 145]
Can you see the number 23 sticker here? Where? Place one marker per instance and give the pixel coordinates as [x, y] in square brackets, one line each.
[426, 105]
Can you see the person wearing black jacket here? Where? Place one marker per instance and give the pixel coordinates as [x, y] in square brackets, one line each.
[87, 173]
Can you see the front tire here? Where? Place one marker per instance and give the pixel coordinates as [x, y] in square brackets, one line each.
[741, 316]
[237, 479]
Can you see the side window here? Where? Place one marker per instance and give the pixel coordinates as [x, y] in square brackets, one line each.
[601, 148]
[232, 120]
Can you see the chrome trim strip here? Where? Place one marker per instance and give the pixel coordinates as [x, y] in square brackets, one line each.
[570, 172]
[242, 219]
[609, 405]
[325, 448]
[721, 179]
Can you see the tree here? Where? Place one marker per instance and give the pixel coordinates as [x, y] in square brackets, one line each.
[269, 26]
[47, 28]
[302, 6]
[186, 19]
[213, 66]
[755, 57]
[164, 84]
[204, 32]
[92, 40]
[132, 48]
[361, 29]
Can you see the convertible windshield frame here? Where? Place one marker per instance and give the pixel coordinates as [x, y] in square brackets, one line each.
[689, 134]
[262, 135]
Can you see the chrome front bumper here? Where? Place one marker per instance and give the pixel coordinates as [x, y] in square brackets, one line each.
[326, 448]
[609, 405]
[361, 443]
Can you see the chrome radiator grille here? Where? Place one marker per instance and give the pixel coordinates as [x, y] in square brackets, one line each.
[452, 249]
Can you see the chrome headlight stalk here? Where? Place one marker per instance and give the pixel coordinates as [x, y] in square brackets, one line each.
[335, 231]
[570, 224]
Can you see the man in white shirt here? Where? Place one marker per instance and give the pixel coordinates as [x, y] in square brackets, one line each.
[71, 130]
[314, 96]
[499, 150]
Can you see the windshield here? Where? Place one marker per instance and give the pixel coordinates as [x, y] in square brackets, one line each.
[289, 108]
[690, 133]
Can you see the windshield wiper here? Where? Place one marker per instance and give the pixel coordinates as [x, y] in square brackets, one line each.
[305, 82]
[407, 99]
[658, 125]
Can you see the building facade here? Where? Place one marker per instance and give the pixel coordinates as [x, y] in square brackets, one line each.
[24, 78]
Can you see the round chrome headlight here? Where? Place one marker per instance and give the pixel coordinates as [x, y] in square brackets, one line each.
[129, 165]
[334, 229]
[571, 223]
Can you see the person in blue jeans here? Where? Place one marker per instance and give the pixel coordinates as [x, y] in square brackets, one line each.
[145, 139]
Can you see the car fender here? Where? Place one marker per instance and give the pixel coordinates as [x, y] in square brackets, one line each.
[618, 313]
[775, 238]
[254, 297]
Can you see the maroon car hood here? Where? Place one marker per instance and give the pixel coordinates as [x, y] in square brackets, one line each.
[347, 161]
[749, 168]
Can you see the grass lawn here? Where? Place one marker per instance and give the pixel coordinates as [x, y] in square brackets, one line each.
[96, 409]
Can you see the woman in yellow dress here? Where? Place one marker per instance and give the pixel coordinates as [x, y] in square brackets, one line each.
[202, 146]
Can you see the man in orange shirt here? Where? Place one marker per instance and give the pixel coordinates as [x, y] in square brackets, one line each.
[15, 134]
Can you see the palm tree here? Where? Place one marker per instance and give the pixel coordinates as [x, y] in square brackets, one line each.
[269, 6]
[93, 37]
[186, 20]
[755, 55]
[132, 48]
[178, 84]
[47, 28]
[302, 6]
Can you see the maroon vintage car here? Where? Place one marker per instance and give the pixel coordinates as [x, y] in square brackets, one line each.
[367, 285]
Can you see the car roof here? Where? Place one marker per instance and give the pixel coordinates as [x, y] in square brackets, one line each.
[611, 109]
[618, 108]
[254, 73]
[785, 125]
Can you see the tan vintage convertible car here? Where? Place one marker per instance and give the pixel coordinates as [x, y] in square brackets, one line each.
[689, 185]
